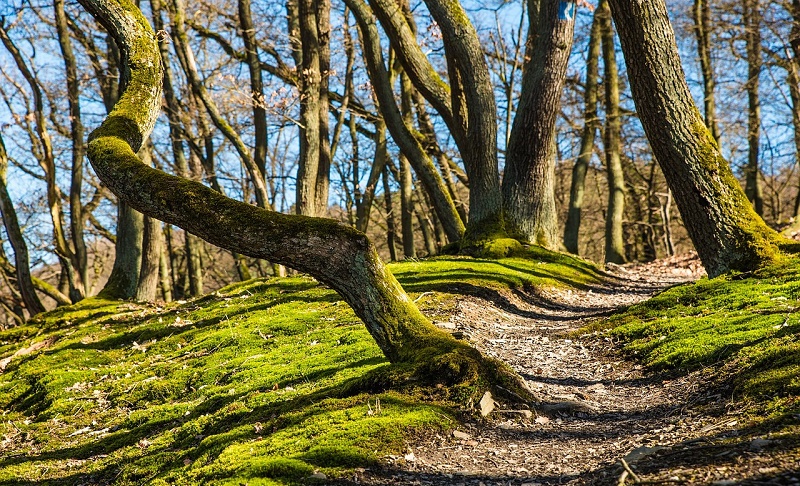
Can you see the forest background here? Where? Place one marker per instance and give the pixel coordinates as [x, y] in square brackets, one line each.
[60, 78]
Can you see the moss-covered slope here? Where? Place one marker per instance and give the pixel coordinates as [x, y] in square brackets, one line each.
[260, 383]
[745, 328]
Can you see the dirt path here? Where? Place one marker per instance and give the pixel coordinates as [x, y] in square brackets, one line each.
[640, 418]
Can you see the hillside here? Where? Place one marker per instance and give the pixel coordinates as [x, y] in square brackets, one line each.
[276, 382]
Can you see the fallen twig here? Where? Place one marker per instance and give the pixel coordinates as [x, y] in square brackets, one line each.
[25, 351]
[633, 475]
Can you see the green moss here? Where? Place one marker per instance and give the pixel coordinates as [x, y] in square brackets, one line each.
[753, 243]
[262, 382]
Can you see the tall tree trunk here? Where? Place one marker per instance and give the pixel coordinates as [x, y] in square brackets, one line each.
[248, 34]
[590, 125]
[528, 197]
[406, 180]
[701, 14]
[615, 243]
[407, 208]
[76, 220]
[793, 70]
[164, 269]
[314, 162]
[21, 261]
[152, 247]
[152, 251]
[752, 26]
[726, 232]
[124, 276]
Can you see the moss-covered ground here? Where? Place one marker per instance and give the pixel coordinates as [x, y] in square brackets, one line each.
[257, 383]
[744, 329]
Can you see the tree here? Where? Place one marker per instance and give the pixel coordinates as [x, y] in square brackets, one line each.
[752, 33]
[335, 254]
[528, 192]
[615, 244]
[590, 125]
[48, 164]
[21, 260]
[701, 15]
[723, 226]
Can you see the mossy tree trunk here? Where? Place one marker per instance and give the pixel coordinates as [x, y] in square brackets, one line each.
[614, 241]
[528, 183]
[590, 126]
[21, 260]
[725, 230]
[335, 254]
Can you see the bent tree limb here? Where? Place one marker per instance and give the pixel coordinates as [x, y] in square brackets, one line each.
[334, 254]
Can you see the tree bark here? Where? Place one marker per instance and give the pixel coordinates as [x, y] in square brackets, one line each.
[615, 243]
[124, 276]
[725, 230]
[248, 34]
[152, 247]
[406, 180]
[21, 261]
[314, 162]
[528, 183]
[590, 126]
[793, 78]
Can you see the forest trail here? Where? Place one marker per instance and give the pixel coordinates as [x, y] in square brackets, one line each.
[666, 427]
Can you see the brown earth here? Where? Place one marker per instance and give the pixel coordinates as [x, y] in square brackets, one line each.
[637, 427]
